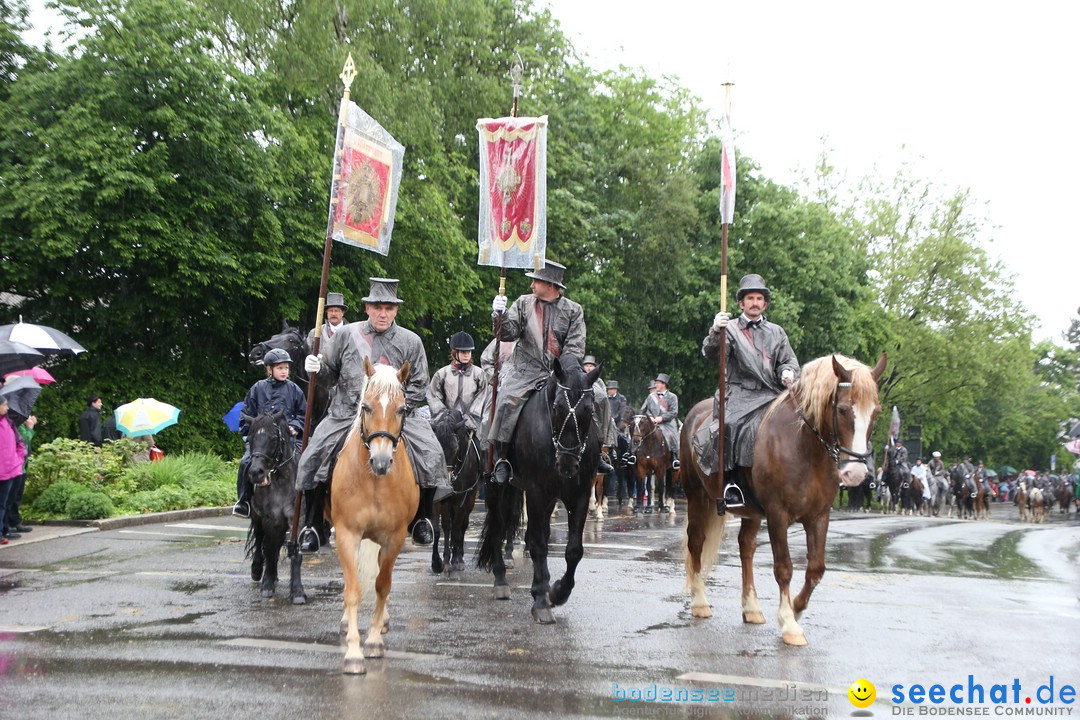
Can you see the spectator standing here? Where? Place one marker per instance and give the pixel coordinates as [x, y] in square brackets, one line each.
[13, 518]
[90, 421]
[12, 455]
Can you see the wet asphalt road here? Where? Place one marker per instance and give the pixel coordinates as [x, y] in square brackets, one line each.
[163, 621]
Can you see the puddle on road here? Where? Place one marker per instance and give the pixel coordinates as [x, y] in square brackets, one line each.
[191, 587]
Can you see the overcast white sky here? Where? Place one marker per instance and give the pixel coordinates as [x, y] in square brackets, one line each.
[983, 96]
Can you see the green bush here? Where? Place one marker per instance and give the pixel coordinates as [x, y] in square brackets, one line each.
[78, 462]
[166, 497]
[54, 499]
[89, 506]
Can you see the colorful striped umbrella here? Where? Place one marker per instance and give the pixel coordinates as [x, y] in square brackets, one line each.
[145, 416]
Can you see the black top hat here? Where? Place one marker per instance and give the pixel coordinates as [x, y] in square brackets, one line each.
[753, 283]
[588, 360]
[612, 384]
[552, 272]
[336, 300]
[662, 377]
[383, 290]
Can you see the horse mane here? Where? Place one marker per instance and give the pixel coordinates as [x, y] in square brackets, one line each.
[815, 390]
[386, 386]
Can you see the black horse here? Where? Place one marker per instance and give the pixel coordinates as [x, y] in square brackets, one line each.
[293, 341]
[623, 458]
[554, 452]
[463, 457]
[273, 474]
[896, 477]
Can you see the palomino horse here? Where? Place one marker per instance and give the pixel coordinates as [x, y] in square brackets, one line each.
[463, 457]
[272, 472]
[554, 453]
[812, 437]
[653, 461]
[1020, 498]
[373, 496]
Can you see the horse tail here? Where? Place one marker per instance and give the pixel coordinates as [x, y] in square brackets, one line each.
[710, 548]
[249, 544]
[504, 503]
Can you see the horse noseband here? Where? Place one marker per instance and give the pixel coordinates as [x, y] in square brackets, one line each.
[835, 449]
[394, 439]
[560, 449]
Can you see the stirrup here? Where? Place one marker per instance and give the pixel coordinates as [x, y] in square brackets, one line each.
[502, 471]
[308, 541]
[675, 464]
[733, 495]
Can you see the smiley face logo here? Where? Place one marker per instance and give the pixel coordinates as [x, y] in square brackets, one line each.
[862, 693]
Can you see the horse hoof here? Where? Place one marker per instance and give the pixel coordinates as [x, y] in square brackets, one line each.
[502, 592]
[703, 611]
[795, 638]
[508, 563]
[374, 650]
[354, 666]
[543, 616]
[753, 618]
[455, 576]
[267, 593]
[299, 599]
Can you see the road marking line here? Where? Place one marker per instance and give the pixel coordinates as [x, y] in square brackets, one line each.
[197, 526]
[165, 534]
[17, 629]
[321, 647]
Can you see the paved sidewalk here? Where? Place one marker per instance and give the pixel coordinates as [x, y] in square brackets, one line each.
[53, 529]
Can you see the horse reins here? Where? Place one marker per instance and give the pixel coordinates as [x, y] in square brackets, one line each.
[835, 450]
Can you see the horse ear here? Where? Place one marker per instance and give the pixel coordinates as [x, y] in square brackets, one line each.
[245, 416]
[369, 369]
[403, 372]
[592, 376]
[278, 415]
[879, 369]
[840, 371]
[284, 325]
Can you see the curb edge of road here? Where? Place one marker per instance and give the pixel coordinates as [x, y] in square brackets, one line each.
[123, 521]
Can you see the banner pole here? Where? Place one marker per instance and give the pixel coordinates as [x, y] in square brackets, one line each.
[516, 72]
[348, 73]
[716, 484]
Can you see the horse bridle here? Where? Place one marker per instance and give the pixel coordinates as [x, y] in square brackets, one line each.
[394, 439]
[266, 346]
[835, 450]
[561, 449]
[635, 444]
[270, 473]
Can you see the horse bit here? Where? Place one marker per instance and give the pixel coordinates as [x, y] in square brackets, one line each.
[836, 449]
[559, 447]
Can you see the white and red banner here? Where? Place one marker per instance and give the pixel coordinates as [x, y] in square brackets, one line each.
[364, 187]
[727, 172]
[513, 192]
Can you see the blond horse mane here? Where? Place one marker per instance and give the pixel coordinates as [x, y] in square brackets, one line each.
[815, 390]
[386, 387]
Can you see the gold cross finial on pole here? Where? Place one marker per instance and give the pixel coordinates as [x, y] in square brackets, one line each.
[516, 73]
[348, 73]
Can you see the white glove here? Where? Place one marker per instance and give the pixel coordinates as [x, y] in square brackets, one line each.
[787, 377]
[720, 321]
[498, 305]
[313, 363]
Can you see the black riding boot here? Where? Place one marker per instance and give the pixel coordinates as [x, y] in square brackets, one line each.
[422, 530]
[309, 537]
[502, 466]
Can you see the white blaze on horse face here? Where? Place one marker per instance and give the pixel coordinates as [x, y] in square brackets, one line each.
[852, 473]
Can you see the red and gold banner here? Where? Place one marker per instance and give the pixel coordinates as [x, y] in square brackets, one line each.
[513, 192]
[367, 173]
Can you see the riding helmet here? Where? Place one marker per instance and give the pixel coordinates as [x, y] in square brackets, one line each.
[276, 356]
[462, 341]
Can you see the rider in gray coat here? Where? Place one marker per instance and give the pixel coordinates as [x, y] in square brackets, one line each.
[382, 340]
[460, 384]
[545, 325]
[760, 365]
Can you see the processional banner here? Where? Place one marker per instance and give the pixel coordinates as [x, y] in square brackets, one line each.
[513, 191]
[364, 187]
[727, 172]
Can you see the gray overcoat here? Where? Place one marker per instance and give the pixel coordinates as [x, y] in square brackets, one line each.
[756, 358]
[461, 389]
[666, 406]
[344, 364]
[560, 332]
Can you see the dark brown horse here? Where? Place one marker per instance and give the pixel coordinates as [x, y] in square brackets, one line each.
[812, 438]
[653, 462]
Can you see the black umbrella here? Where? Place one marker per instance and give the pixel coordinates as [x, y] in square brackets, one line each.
[17, 356]
[41, 337]
[20, 392]
[1075, 432]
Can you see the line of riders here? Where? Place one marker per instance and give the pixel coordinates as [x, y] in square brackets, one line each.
[532, 332]
[929, 488]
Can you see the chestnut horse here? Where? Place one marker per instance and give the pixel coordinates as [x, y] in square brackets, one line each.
[653, 461]
[373, 496]
[813, 437]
